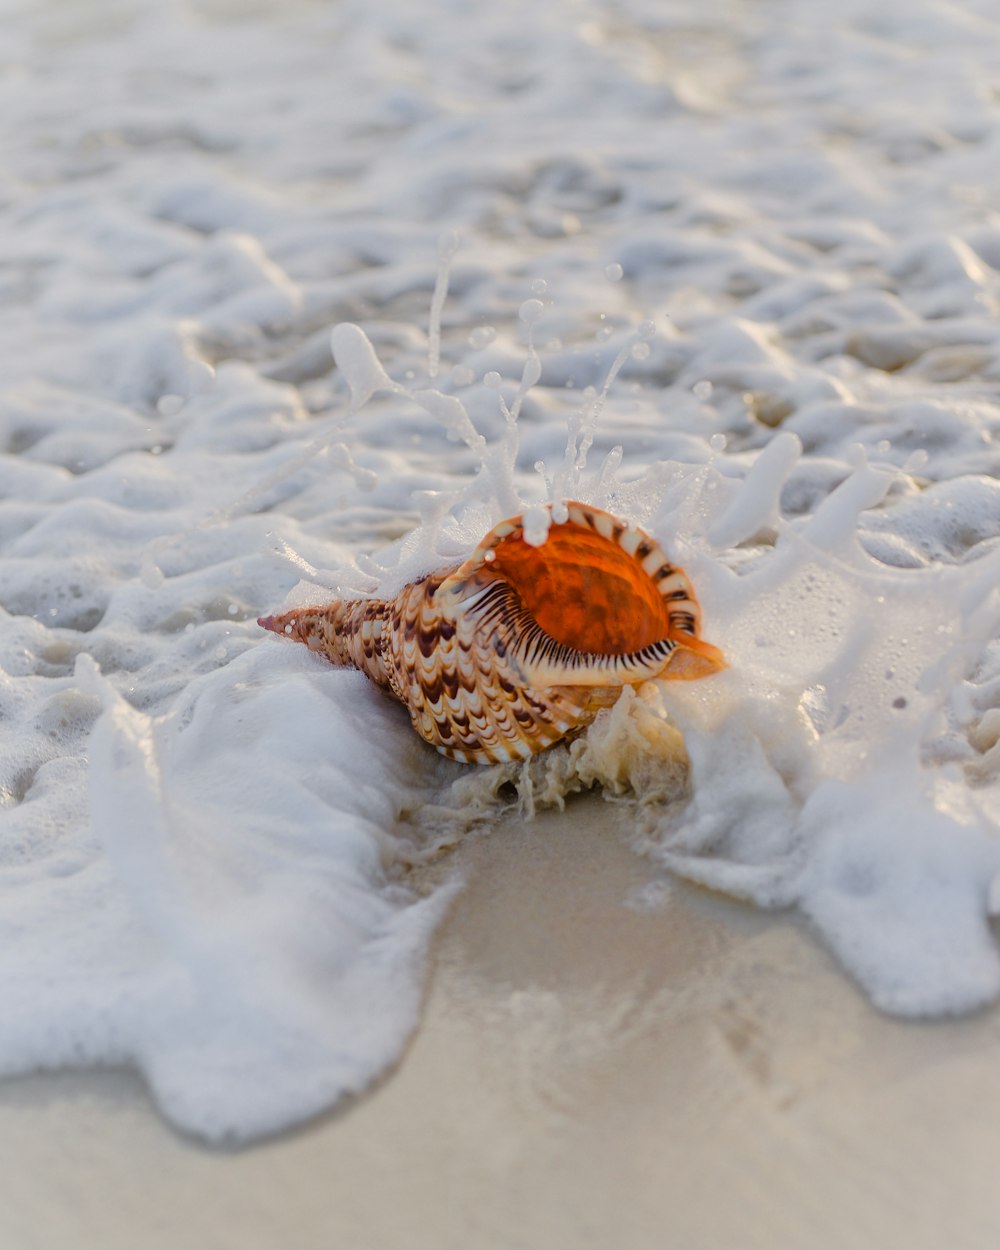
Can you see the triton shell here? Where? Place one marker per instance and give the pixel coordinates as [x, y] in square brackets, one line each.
[520, 645]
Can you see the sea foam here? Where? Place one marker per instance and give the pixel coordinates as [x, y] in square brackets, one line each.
[210, 862]
[818, 759]
[235, 919]
[228, 923]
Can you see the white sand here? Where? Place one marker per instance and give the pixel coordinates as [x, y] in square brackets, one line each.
[585, 1075]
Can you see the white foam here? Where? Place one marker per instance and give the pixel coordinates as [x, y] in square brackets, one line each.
[270, 960]
[810, 755]
[228, 383]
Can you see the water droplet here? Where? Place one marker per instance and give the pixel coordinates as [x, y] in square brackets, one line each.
[493, 380]
[535, 525]
[702, 390]
[489, 556]
[614, 272]
[233, 609]
[640, 351]
[530, 311]
[717, 442]
[482, 336]
[539, 286]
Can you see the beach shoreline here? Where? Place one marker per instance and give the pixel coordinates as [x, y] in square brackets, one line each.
[589, 1070]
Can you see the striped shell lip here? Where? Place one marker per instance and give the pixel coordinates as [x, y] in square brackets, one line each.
[596, 599]
[520, 645]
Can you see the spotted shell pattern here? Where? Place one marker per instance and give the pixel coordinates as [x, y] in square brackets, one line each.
[520, 645]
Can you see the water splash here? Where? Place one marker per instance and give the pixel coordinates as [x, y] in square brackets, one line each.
[809, 760]
[447, 248]
[810, 774]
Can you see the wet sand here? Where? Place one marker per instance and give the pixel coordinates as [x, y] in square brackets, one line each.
[586, 1074]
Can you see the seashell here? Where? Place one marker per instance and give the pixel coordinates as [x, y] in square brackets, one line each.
[520, 645]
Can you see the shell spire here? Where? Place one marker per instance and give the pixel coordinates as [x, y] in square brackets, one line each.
[347, 631]
[520, 645]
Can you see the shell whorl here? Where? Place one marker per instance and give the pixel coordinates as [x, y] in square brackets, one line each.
[347, 631]
[519, 646]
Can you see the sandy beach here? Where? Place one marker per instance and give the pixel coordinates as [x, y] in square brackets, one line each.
[585, 1075]
[299, 302]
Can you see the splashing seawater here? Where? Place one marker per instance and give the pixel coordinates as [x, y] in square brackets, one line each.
[260, 942]
[812, 760]
[812, 757]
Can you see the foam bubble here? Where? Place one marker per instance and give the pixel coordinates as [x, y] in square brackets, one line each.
[482, 336]
[537, 521]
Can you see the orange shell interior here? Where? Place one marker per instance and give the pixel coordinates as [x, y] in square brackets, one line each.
[584, 590]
